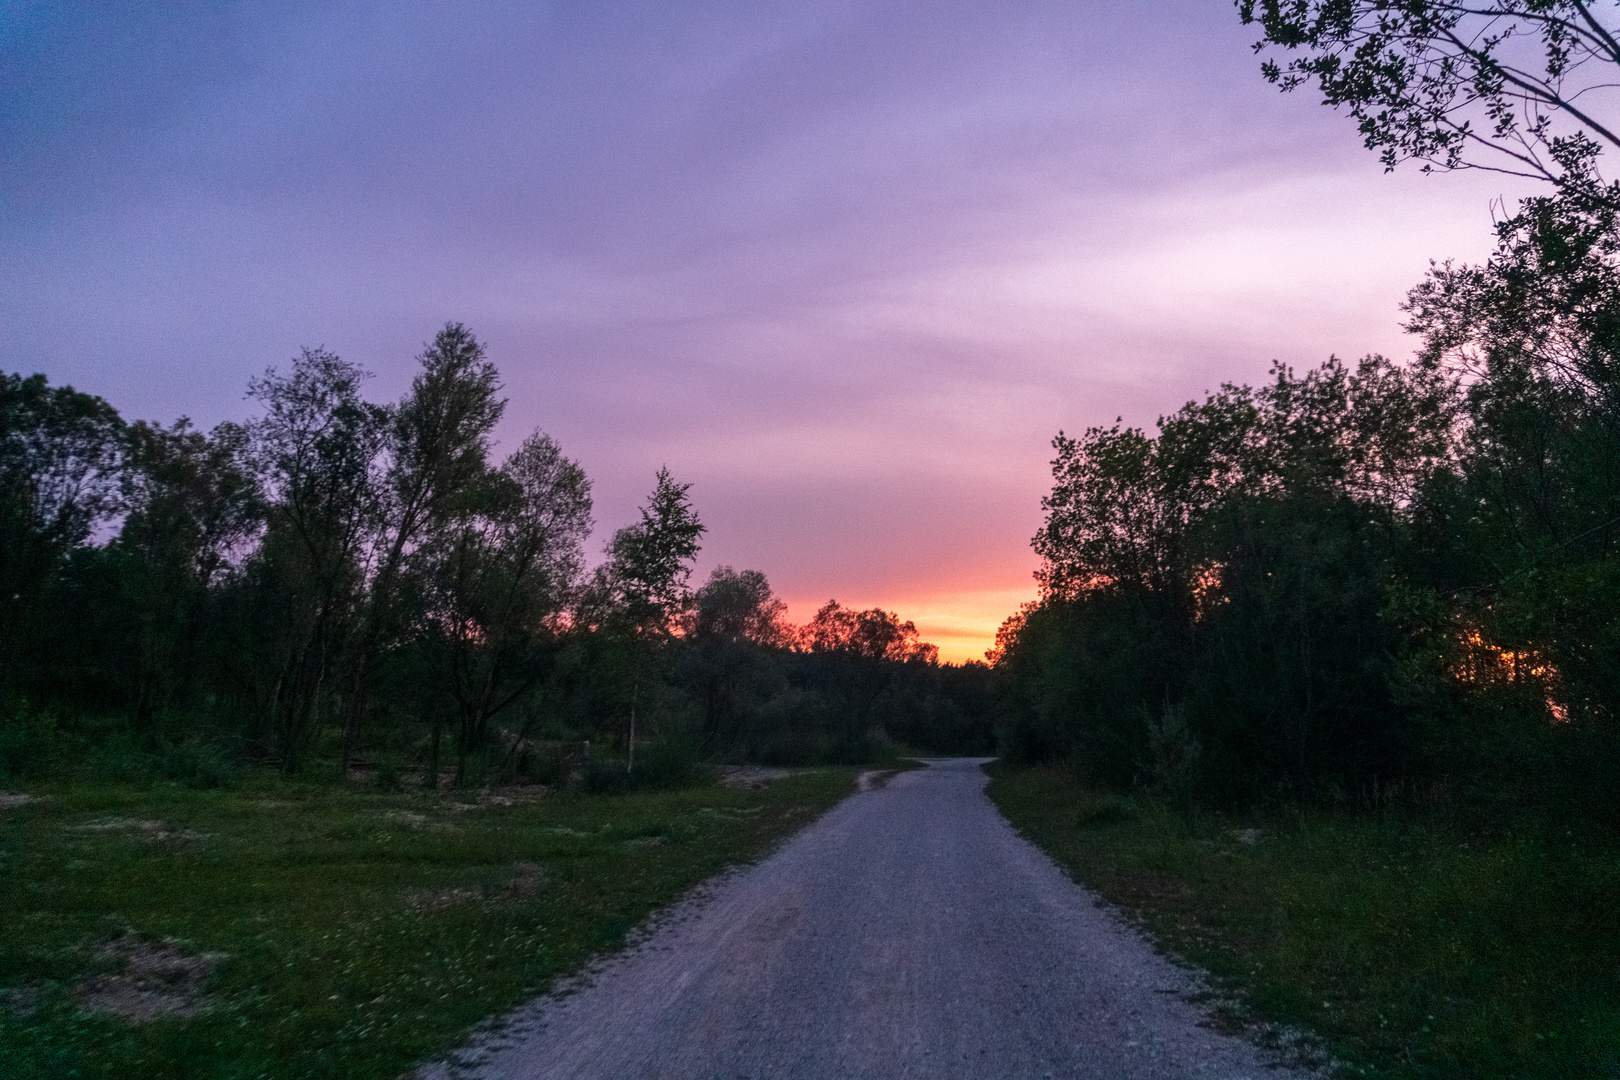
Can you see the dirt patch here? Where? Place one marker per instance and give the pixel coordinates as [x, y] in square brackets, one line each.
[527, 881]
[10, 800]
[515, 795]
[1138, 890]
[158, 980]
[152, 830]
[432, 900]
[1247, 836]
[405, 817]
[749, 777]
[873, 779]
[20, 1001]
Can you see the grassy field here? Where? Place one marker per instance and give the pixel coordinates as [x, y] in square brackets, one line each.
[1416, 943]
[283, 929]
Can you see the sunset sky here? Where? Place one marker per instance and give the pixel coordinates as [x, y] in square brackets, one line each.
[844, 267]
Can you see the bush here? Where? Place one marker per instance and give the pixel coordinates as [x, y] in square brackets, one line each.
[1105, 809]
[28, 743]
[666, 765]
[387, 777]
[670, 763]
[201, 766]
[1175, 754]
[1029, 738]
[867, 748]
[604, 776]
[788, 749]
[116, 758]
[546, 765]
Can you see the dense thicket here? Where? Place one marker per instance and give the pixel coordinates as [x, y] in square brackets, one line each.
[344, 581]
[1362, 575]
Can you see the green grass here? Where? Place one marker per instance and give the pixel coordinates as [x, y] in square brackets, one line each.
[1417, 943]
[360, 931]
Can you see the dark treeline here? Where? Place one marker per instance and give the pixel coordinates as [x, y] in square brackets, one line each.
[337, 580]
[1363, 578]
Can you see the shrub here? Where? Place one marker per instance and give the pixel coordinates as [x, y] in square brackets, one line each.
[201, 766]
[116, 758]
[604, 776]
[28, 742]
[1105, 809]
[387, 777]
[546, 765]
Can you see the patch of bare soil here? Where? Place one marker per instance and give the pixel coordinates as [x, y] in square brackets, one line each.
[432, 900]
[405, 817]
[158, 980]
[10, 800]
[514, 795]
[749, 777]
[526, 881]
[517, 795]
[873, 779]
[20, 1001]
[152, 830]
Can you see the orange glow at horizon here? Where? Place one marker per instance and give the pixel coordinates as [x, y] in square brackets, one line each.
[1484, 661]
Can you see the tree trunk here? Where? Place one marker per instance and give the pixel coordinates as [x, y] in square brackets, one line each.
[635, 691]
[431, 780]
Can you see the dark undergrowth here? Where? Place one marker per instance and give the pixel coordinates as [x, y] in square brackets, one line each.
[1420, 943]
[351, 932]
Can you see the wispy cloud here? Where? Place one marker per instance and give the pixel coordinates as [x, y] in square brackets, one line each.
[845, 267]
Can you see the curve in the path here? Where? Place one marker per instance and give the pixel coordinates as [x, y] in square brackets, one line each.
[910, 932]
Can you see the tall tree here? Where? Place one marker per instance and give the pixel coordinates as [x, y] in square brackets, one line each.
[735, 625]
[498, 579]
[739, 606]
[191, 503]
[318, 446]
[60, 460]
[438, 442]
[1497, 84]
[642, 586]
[1534, 334]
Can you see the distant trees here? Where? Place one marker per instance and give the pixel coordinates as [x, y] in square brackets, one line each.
[739, 607]
[873, 634]
[857, 649]
[735, 628]
[341, 581]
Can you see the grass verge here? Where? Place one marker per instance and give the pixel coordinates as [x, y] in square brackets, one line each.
[344, 933]
[1418, 944]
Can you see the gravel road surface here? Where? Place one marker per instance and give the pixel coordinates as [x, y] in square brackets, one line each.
[910, 932]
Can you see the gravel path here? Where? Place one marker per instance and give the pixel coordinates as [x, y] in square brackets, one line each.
[907, 933]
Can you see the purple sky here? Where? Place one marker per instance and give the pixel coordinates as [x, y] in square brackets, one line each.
[845, 267]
